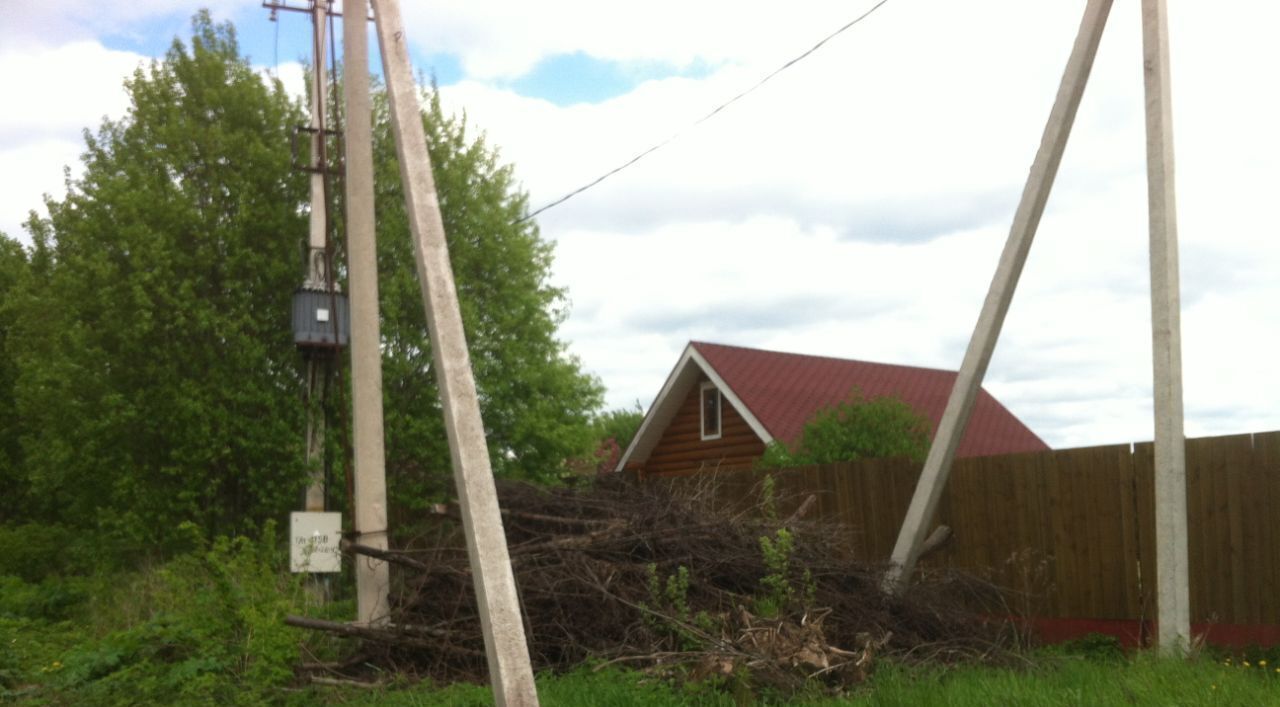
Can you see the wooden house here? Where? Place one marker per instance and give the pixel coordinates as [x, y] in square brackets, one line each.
[722, 404]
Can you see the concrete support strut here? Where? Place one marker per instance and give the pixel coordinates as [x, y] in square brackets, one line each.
[372, 581]
[1035, 194]
[1172, 593]
[510, 672]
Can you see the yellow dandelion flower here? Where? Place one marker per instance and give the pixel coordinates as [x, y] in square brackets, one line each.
[1245, 663]
[1262, 663]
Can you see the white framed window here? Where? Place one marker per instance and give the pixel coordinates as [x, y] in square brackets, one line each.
[710, 399]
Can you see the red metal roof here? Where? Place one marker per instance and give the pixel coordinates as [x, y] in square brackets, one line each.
[784, 390]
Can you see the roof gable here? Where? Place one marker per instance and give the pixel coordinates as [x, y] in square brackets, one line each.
[691, 367]
[777, 393]
[784, 390]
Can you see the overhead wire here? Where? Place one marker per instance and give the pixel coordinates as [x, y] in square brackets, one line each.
[802, 56]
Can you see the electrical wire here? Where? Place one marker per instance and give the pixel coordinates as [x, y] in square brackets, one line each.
[804, 55]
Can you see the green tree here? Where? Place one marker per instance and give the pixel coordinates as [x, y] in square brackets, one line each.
[613, 431]
[13, 273]
[618, 425]
[536, 401]
[854, 429]
[157, 378]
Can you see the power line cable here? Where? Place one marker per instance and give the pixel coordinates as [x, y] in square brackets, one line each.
[706, 117]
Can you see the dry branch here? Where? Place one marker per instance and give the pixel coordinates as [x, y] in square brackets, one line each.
[586, 564]
[387, 555]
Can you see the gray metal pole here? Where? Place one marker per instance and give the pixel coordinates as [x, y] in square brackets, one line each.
[1035, 194]
[372, 583]
[1172, 592]
[510, 672]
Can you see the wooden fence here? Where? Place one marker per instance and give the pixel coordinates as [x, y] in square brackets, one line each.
[1070, 533]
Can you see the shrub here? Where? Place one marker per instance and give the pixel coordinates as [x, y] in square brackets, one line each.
[206, 627]
[854, 429]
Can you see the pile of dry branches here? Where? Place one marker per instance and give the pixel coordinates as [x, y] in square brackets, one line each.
[642, 574]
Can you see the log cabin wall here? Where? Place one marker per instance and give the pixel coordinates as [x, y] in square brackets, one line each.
[681, 449]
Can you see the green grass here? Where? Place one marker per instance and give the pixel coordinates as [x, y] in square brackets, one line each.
[1053, 680]
[582, 688]
[1048, 680]
[206, 628]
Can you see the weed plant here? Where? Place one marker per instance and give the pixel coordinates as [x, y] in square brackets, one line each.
[203, 628]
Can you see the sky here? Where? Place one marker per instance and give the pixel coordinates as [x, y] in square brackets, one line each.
[854, 206]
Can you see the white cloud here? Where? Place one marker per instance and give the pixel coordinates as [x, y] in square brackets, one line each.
[856, 207]
[76, 86]
[503, 39]
[27, 173]
[292, 75]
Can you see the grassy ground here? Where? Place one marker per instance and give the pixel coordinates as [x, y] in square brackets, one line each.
[50, 663]
[207, 628]
[1050, 680]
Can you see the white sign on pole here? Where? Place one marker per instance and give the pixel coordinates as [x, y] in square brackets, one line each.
[313, 542]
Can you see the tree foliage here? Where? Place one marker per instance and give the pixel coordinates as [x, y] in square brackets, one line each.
[536, 402]
[854, 429]
[614, 431]
[148, 375]
[13, 273]
[620, 425]
[157, 377]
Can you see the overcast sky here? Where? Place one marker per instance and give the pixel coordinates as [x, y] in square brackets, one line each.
[854, 206]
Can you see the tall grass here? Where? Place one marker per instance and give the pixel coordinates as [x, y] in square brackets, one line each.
[205, 627]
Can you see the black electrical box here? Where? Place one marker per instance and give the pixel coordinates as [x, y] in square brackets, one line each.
[321, 320]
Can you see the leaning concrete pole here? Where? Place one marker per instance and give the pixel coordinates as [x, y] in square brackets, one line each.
[1035, 194]
[372, 583]
[1173, 598]
[509, 670]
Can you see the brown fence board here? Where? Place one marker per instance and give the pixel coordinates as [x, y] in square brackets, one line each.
[1129, 532]
[1145, 483]
[1266, 464]
[1236, 460]
[1255, 551]
[1070, 533]
[1199, 510]
[1101, 475]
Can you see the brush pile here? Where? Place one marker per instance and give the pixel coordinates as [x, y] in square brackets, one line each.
[665, 577]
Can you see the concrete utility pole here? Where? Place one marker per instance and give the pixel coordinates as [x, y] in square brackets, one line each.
[510, 672]
[372, 583]
[1173, 599]
[317, 260]
[1173, 593]
[1035, 194]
